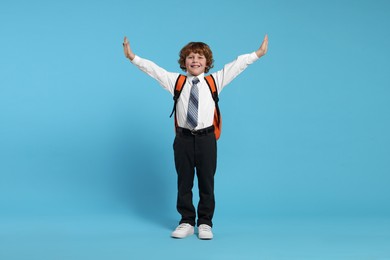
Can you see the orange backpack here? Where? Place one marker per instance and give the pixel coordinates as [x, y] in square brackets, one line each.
[181, 80]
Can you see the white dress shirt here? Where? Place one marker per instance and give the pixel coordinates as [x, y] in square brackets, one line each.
[206, 103]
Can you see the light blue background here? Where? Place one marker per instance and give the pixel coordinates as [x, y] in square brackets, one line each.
[86, 160]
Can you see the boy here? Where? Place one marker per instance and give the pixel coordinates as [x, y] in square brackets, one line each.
[195, 144]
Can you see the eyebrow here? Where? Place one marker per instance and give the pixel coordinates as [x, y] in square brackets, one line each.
[195, 54]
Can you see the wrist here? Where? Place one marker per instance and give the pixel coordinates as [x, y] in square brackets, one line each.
[259, 53]
[131, 56]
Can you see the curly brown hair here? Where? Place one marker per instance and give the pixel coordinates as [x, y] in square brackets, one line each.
[196, 47]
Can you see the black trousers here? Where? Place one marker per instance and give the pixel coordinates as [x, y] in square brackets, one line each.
[195, 152]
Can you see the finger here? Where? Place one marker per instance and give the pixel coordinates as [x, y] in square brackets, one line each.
[265, 42]
[125, 41]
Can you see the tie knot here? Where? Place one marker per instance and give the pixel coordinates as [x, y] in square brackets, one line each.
[195, 81]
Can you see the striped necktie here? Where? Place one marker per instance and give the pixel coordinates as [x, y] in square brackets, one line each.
[192, 114]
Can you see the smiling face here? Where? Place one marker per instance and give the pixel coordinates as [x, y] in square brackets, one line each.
[195, 63]
[196, 58]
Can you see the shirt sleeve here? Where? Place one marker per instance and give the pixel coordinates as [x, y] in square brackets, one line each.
[233, 69]
[166, 79]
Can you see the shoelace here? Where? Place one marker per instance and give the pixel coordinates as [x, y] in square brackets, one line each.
[182, 226]
[205, 228]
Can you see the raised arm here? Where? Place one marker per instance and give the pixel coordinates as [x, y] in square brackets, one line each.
[126, 48]
[231, 70]
[166, 79]
[263, 47]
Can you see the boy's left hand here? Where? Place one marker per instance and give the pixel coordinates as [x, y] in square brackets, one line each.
[263, 48]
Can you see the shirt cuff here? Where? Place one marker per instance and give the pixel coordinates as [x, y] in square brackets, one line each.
[253, 57]
[136, 60]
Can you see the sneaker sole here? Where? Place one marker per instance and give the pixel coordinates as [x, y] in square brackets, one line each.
[180, 237]
[205, 238]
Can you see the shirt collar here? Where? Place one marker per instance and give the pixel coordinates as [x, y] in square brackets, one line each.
[191, 77]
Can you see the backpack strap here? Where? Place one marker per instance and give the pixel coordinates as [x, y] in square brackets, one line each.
[180, 81]
[217, 115]
[214, 92]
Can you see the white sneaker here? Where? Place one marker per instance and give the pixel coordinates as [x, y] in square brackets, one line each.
[205, 232]
[183, 230]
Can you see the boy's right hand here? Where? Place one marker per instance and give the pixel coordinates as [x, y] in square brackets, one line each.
[126, 48]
